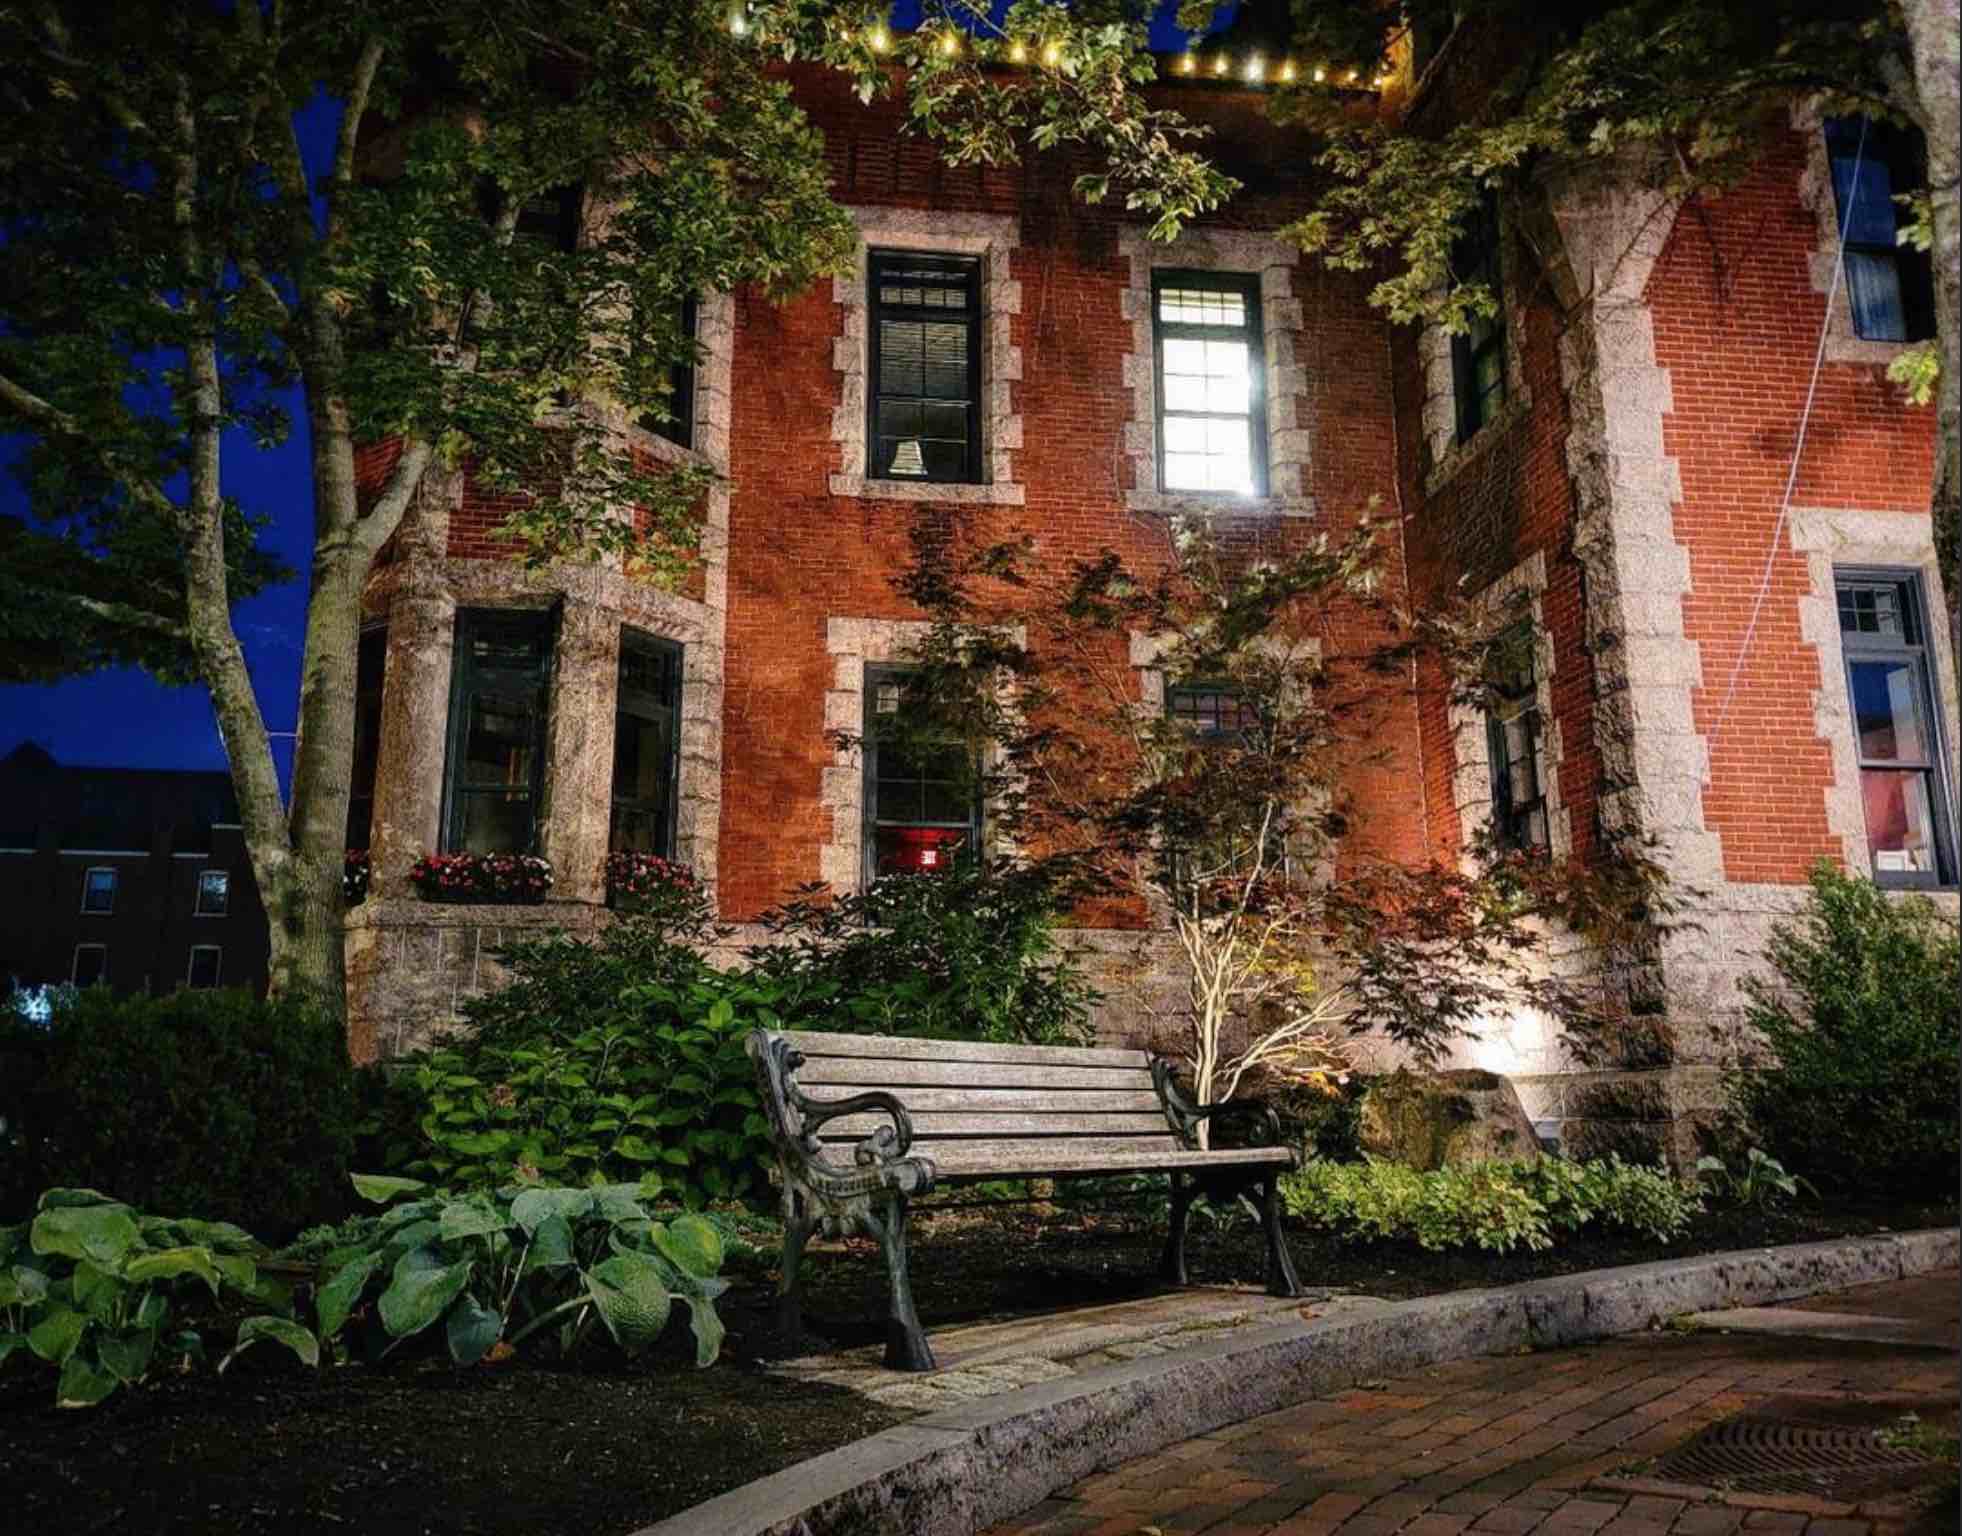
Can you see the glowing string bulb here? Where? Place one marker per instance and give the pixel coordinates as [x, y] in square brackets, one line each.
[1219, 65]
[1017, 53]
[1287, 71]
[1254, 69]
[1187, 63]
[1052, 54]
[950, 45]
[880, 41]
[1354, 76]
[1320, 74]
[738, 22]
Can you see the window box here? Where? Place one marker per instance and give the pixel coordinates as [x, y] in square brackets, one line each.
[646, 883]
[484, 879]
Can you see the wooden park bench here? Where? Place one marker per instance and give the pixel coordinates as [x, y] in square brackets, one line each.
[863, 1123]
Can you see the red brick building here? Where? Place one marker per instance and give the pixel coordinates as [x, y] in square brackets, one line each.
[1006, 363]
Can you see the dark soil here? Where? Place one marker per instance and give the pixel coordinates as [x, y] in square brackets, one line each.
[534, 1446]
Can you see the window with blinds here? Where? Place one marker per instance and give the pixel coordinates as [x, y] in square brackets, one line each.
[923, 409]
[1212, 433]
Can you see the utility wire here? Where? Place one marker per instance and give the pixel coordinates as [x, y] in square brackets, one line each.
[1798, 449]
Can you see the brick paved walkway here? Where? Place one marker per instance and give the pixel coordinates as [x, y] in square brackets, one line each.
[1501, 1447]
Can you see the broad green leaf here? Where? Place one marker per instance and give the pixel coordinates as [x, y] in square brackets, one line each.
[168, 1263]
[238, 1270]
[408, 1238]
[126, 1355]
[419, 1294]
[54, 1338]
[382, 1188]
[619, 1202]
[632, 1299]
[692, 1243]
[468, 1218]
[337, 1297]
[551, 1245]
[150, 1312]
[83, 1383]
[94, 1288]
[534, 1206]
[9, 1342]
[59, 1199]
[220, 1236]
[100, 1232]
[706, 1324]
[472, 1329]
[636, 1149]
[279, 1329]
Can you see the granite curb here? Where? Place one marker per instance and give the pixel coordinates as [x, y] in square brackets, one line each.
[963, 1469]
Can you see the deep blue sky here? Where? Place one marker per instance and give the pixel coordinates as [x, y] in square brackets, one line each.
[124, 717]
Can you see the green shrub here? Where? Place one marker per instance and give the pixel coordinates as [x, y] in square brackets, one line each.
[1760, 1182]
[1497, 1206]
[969, 953]
[494, 1269]
[87, 1288]
[1863, 1029]
[212, 1102]
[616, 1060]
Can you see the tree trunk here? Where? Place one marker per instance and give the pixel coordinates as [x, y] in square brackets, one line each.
[1935, 37]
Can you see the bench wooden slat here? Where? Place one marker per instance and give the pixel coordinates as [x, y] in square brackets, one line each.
[816, 1043]
[901, 1075]
[926, 1101]
[1001, 1125]
[1020, 1159]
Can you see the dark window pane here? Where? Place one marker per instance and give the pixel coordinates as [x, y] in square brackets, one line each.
[99, 891]
[497, 730]
[204, 966]
[370, 666]
[499, 744]
[214, 893]
[490, 823]
[922, 416]
[1887, 711]
[645, 726]
[91, 964]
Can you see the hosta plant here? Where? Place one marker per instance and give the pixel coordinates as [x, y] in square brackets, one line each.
[88, 1287]
[492, 1269]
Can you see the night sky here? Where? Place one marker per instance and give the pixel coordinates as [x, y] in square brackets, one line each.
[122, 716]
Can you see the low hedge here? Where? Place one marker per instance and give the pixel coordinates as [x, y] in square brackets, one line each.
[215, 1102]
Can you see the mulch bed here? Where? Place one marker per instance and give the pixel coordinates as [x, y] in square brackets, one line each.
[534, 1446]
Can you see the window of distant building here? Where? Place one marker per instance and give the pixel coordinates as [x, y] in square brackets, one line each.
[922, 793]
[924, 405]
[1512, 735]
[203, 970]
[1896, 732]
[214, 893]
[1212, 432]
[91, 965]
[552, 217]
[99, 891]
[646, 745]
[370, 664]
[1889, 287]
[494, 779]
[1478, 357]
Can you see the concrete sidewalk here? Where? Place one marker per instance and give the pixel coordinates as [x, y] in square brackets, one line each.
[1598, 1440]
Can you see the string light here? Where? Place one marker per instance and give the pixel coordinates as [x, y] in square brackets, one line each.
[1254, 69]
[1320, 74]
[1052, 54]
[950, 45]
[738, 22]
[1187, 63]
[880, 40]
[1017, 52]
[1219, 65]
[1287, 71]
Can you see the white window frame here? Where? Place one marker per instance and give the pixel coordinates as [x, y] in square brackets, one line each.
[217, 974]
[75, 965]
[197, 903]
[115, 889]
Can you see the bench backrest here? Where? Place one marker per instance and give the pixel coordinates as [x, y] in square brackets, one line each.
[971, 1102]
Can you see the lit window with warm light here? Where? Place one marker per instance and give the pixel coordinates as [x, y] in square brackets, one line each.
[924, 405]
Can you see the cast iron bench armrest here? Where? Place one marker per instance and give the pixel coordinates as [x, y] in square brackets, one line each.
[889, 1141]
[1185, 1115]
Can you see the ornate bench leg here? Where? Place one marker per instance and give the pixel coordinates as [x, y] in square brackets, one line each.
[1173, 1265]
[1281, 1278]
[797, 1225]
[906, 1345]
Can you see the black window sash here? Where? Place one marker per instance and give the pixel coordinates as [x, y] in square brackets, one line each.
[876, 816]
[519, 682]
[968, 270]
[1482, 349]
[661, 706]
[679, 428]
[1247, 288]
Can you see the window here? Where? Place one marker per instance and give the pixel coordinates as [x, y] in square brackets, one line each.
[552, 217]
[1896, 732]
[214, 893]
[1223, 841]
[1512, 736]
[370, 663]
[922, 792]
[1213, 711]
[679, 425]
[203, 971]
[1212, 433]
[646, 740]
[1478, 358]
[99, 891]
[91, 965]
[1890, 288]
[924, 406]
[497, 731]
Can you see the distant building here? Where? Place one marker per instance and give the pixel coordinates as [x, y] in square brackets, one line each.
[132, 877]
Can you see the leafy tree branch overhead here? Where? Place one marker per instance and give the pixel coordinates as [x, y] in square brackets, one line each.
[172, 269]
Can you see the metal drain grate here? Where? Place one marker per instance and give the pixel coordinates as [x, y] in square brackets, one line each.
[1760, 1454]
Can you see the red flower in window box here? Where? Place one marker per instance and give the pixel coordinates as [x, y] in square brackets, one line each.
[507, 878]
